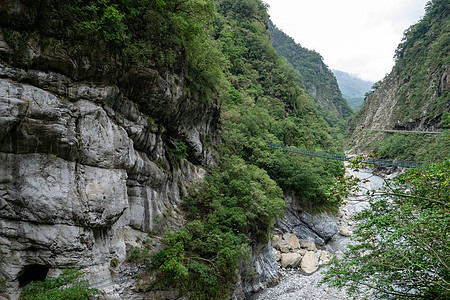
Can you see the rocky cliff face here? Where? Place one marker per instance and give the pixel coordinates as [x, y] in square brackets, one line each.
[92, 152]
[384, 110]
[87, 165]
[414, 96]
[318, 227]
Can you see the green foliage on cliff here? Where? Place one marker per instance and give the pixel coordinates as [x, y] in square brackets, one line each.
[419, 83]
[313, 76]
[232, 209]
[68, 286]
[402, 245]
[264, 104]
[421, 59]
[415, 146]
[120, 34]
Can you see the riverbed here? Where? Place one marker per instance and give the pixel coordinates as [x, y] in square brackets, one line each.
[294, 283]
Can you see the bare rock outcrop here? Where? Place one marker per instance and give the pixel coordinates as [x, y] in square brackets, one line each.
[318, 227]
[85, 169]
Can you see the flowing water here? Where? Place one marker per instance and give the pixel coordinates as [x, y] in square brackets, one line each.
[295, 284]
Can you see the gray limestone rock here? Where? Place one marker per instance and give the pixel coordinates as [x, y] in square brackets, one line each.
[314, 227]
[322, 223]
[264, 274]
[344, 231]
[309, 263]
[290, 260]
[276, 240]
[308, 245]
[82, 177]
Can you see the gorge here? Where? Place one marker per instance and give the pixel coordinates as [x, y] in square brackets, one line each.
[134, 143]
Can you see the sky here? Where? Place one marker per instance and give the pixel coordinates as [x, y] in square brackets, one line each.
[355, 36]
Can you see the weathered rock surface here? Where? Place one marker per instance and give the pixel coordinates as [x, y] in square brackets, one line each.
[345, 232]
[289, 251]
[85, 173]
[309, 263]
[318, 228]
[290, 260]
[72, 179]
[265, 272]
[308, 245]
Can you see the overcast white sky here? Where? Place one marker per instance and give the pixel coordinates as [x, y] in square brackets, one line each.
[355, 36]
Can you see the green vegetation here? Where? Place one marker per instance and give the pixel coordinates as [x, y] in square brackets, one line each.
[177, 152]
[234, 208]
[424, 51]
[315, 77]
[223, 50]
[403, 240]
[264, 104]
[164, 35]
[421, 94]
[411, 146]
[70, 285]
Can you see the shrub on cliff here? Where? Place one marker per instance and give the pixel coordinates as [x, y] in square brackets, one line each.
[232, 209]
[68, 286]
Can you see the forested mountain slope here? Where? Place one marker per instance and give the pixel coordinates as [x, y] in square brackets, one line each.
[314, 76]
[353, 88]
[111, 110]
[414, 96]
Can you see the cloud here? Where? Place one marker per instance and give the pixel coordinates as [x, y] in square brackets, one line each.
[356, 36]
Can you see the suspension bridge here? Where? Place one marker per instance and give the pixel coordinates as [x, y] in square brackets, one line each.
[403, 131]
[382, 162]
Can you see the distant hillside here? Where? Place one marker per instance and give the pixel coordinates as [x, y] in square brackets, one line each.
[353, 88]
[314, 76]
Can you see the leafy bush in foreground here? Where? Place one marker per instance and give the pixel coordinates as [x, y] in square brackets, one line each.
[403, 240]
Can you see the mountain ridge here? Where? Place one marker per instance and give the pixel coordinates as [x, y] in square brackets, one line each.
[314, 76]
[353, 88]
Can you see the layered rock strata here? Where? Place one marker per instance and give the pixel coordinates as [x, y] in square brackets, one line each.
[86, 165]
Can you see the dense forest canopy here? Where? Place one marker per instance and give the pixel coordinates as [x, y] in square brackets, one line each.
[261, 103]
[315, 77]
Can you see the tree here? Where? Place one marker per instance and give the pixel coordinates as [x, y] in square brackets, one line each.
[233, 209]
[402, 244]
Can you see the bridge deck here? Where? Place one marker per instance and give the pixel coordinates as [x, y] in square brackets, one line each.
[407, 164]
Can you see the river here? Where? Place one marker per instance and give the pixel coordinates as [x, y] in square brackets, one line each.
[294, 284]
